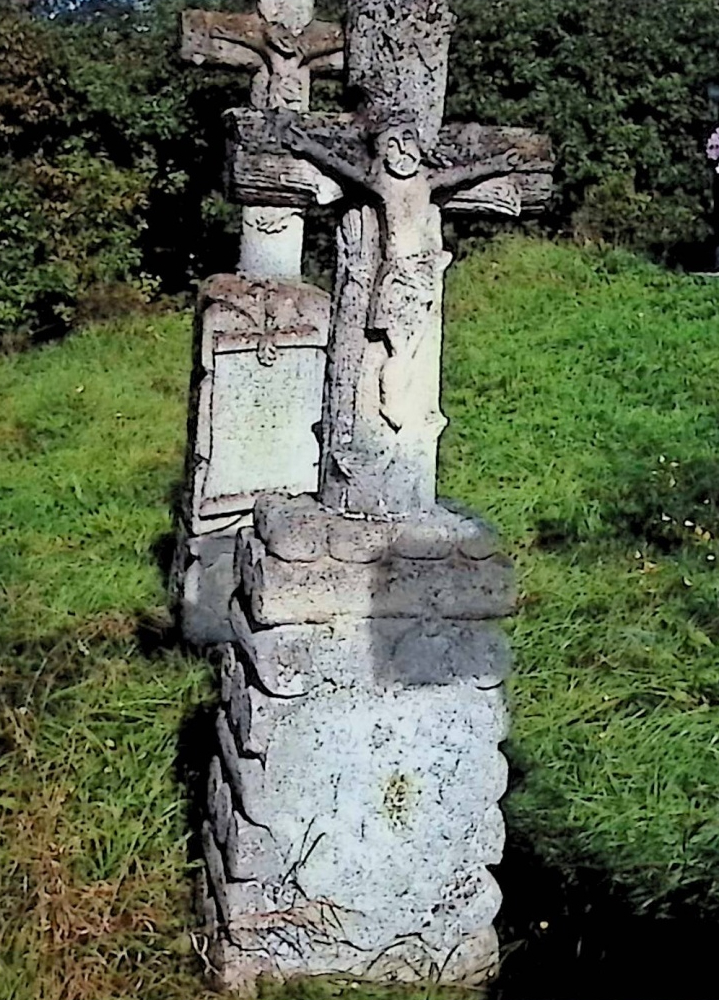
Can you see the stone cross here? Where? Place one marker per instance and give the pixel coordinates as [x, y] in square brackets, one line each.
[352, 810]
[397, 165]
[282, 45]
[261, 334]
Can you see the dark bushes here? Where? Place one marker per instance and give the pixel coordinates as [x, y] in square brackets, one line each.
[111, 149]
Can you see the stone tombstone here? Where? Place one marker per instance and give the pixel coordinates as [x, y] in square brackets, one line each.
[261, 334]
[352, 798]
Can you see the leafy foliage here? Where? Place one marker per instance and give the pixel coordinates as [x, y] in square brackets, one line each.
[97, 97]
[624, 99]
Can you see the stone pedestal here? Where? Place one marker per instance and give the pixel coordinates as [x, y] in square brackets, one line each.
[259, 367]
[352, 804]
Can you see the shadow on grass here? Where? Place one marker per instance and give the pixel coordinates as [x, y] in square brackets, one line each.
[196, 745]
[574, 934]
[649, 502]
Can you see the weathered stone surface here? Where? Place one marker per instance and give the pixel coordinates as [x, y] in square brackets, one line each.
[283, 47]
[235, 696]
[261, 348]
[262, 172]
[222, 812]
[476, 540]
[306, 564]
[259, 364]
[272, 242]
[260, 148]
[215, 868]
[205, 586]
[351, 828]
[293, 529]
[398, 60]
[444, 652]
[291, 661]
[258, 41]
[282, 593]
[382, 414]
[525, 194]
[433, 538]
[249, 851]
[359, 541]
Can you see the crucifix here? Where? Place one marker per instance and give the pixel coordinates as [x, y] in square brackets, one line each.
[352, 809]
[397, 166]
[282, 45]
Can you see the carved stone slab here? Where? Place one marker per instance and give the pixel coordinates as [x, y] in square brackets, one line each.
[262, 355]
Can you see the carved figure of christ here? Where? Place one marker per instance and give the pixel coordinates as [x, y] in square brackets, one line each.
[404, 307]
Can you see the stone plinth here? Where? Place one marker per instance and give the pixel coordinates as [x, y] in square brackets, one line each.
[358, 750]
[259, 367]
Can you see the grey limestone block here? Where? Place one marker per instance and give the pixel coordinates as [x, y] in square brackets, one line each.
[282, 593]
[291, 660]
[362, 781]
[306, 564]
[205, 589]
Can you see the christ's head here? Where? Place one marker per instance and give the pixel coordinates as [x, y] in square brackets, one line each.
[398, 148]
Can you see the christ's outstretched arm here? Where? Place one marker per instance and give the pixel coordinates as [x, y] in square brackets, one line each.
[296, 140]
[472, 173]
[249, 38]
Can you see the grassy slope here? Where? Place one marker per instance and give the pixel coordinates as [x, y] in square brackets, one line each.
[570, 376]
[92, 832]
[583, 391]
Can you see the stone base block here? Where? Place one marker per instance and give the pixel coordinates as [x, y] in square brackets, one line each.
[352, 806]
[202, 587]
[305, 564]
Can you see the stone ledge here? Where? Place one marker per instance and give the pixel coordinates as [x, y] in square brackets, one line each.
[298, 529]
[306, 564]
[285, 593]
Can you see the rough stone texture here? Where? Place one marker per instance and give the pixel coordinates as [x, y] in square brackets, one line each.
[204, 584]
[281, 592]
[258, 371]
[335, 839]
[397, 165]
[352, 807]
[258, 399]
[260, 339]
[283, 47]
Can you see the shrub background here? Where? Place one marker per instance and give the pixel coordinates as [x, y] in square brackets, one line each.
[111, 149]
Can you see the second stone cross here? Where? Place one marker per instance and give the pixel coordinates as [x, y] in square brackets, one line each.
[261, 334]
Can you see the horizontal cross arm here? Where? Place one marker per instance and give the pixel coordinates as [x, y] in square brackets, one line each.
[243, 41]
[322, 44]
[462, 144]
[522, 194]
[262, 171]
[471, 166]
[332, 146]
[222, 39]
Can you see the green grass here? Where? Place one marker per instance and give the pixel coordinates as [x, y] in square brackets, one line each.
[92, 822]
[581, 385]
